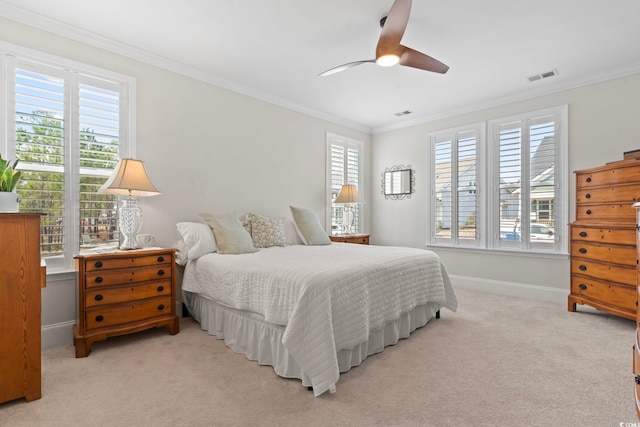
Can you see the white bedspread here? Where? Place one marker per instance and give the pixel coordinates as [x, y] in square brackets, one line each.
[329, 297]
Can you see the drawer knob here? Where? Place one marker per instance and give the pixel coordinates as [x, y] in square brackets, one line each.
[588, 211]
[161, 307]
[160, 259]
[589, 179]
[583, 234]
[588, 196]
[99, 318]
[637, 379]
[582, 250]
[99, 279]
[583, 267]
[160, 288]
[98, 264]
[160, 272]
[582, 286]
[98, 297]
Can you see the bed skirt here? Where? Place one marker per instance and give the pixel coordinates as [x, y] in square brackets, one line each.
[248, 333]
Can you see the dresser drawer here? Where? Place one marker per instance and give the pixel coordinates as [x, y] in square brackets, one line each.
[122, 277]
[104, 296]
[625, 255]
[621, 236]
[615, 295]
[605, 272]
[622, 212]
[618, 193]
[618, 174]
[96, 264]
[102, 317]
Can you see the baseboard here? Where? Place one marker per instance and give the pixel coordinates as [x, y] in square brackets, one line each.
[521, 290]
[57, 334]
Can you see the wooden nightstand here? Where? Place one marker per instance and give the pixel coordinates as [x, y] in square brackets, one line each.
[124, 292]
[361, 239]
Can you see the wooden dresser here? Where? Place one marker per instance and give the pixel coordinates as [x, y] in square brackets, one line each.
[21, 280]
[603, 239]
[124, 292]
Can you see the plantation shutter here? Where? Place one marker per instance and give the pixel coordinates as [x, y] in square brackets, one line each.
[345, 161]
[68, 132]
[99, 136]
[455, 210]
[40, 145]
[527, 157]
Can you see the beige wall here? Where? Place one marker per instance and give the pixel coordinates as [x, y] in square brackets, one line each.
[205, 148]
[604, 122]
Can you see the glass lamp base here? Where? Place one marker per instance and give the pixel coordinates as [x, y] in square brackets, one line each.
[130, 223]
[347, 219]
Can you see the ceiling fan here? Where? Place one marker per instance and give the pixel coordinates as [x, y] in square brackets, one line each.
[389, 50]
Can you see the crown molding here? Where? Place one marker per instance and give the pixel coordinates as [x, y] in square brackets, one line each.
[44, 23]
[548, 89]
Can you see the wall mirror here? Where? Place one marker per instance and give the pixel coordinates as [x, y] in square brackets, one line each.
[398, 182]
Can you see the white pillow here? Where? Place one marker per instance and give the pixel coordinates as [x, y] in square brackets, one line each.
[231, 237]
[309, 227]
[196, 238]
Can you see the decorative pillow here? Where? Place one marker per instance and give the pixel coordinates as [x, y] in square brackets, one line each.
[309, 227]
[196, 239]
[266, 232]
[231, 236]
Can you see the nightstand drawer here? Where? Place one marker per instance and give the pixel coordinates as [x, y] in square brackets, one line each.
[97, 297]
[125, 314]
[361, 239]
[122, 277]
[126, 262]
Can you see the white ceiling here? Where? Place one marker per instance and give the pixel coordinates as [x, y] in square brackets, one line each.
[275, 49]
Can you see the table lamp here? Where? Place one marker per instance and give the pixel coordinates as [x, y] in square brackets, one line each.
[129, 179]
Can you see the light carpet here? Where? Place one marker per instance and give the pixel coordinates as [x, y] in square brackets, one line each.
[498, 361]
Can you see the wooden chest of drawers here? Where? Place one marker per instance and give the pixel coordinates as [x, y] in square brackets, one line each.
[603, 239]
[20, 301]
[124, 292]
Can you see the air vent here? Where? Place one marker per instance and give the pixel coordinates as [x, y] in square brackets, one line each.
[403, 113]
[544, 75]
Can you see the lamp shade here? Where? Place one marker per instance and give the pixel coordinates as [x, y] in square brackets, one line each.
[129, 178]
[348, 194]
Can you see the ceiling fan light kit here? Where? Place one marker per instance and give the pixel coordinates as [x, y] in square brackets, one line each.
[389, 51]
[388, 60]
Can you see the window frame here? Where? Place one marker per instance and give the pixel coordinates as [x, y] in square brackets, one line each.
[488, 188]
[74, 74]
[346, 143]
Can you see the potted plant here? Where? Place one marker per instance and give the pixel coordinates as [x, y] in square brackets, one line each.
[9, 178]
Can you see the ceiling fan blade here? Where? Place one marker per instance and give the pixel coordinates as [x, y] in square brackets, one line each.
[393, 29]
[343, 67]
[415, 59]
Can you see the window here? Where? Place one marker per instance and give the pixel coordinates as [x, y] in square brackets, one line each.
[521, 185]
[344, 164]
[456, 179]
[68, 124]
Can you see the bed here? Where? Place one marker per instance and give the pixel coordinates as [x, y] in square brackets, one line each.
[314, 311]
